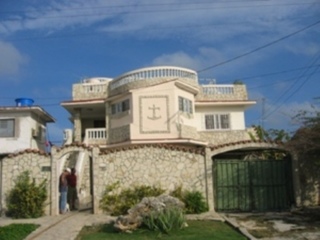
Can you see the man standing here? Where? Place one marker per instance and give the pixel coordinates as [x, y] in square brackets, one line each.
[72, 189]
[63, 189]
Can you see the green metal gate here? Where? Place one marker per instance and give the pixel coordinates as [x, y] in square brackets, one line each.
[252, 185]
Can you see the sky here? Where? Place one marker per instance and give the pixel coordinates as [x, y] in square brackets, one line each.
[273, 46]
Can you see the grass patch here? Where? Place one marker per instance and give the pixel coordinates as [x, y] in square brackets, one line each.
[196, 230]
[17, 231]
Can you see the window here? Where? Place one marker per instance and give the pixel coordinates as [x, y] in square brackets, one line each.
[217, 121]
[6, 128]
[120, 107]
[185, 105]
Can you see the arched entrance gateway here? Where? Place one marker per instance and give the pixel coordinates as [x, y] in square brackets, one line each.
[254, 176]
[81, 158]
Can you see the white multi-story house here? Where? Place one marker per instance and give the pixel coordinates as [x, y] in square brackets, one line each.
[157, 105]
[23, 127]
[159, 126]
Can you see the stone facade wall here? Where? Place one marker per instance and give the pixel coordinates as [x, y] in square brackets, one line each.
[167, 166]
[222, 137]
[38, 165]
[188, 132]
[153, 166]
[119, 134]
[310, 182]
[146, 83]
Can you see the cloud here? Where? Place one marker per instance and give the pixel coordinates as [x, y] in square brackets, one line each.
[11, 59]
[307, 48]
[204, 21]
[55, 15]
[180, 59]
[204, 57]
[283, 117]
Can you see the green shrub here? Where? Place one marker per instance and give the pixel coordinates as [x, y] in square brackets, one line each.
[117, 202]
[193, 200]
[165, 221]
[16, 231]
[26, 199]
[178, 193]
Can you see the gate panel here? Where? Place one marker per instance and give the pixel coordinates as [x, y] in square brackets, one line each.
[232, 185]
[252, 185]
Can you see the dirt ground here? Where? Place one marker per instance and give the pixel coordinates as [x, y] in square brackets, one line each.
[297, 224]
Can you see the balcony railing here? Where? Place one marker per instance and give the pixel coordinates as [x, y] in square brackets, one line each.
[223, 92]
[90, 90]
[152, 73]
[218, 89]
[94, 88]
[95, 136]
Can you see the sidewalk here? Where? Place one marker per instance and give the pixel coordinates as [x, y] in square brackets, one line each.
[293, 225]
[62, 227]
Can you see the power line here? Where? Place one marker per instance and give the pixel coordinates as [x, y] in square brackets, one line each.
[69, 9]
[259, 48]
[294, 92]
[303, 74]
[276, 83]
[92, 34]
[270, 74]
[128, 5]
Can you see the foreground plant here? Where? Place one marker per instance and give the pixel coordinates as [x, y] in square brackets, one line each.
[160, 213]
[166, 220]
[26, 199]
[116, 201]
[194, 200]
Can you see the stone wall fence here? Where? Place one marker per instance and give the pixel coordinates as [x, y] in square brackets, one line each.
[38, 164]
[159, 165]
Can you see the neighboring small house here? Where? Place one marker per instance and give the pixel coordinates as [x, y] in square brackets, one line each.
[23, 144]
[23, 127]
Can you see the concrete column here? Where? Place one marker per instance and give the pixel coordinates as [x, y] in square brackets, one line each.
[77, 126]
[296, 180]
[209, 178]
[95, 179]
[54, 209]
[108, 113]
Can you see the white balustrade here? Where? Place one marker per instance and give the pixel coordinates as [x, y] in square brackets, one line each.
[94, 88]
[154, 72]
[95, 134]
[217, 89]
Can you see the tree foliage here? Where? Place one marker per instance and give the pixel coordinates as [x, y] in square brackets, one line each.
[277, 135]
[273, 135]
[306, 140]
